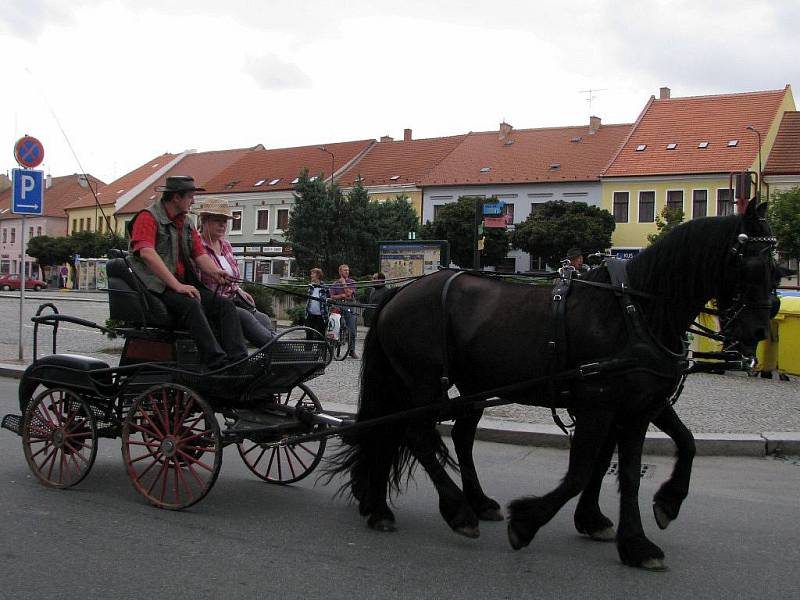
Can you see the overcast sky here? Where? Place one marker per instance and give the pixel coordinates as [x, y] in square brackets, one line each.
[130, 79]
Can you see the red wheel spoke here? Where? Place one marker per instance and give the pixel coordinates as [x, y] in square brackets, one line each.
[156, 461]
[194, 436]
[272, 459]
[300, 460]
[168, 466]
[304, 447]
[191, 426]
[253, 447]
[289, 461]
[191, 460]
[52, 462]
[148, 444]
[183, 417]
[156, 405]
[153, 427]
[144, 456]
[157, 478]
[45, 418]
[38, 452]
[260, 456]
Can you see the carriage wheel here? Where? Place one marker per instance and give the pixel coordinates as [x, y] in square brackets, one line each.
[59, 437]
[341, 345]
[171, 446]
[286, 464]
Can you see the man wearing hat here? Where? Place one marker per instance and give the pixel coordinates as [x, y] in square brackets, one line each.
[166, 252]
[573, 262]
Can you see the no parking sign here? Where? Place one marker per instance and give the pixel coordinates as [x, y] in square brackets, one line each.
[29, 152]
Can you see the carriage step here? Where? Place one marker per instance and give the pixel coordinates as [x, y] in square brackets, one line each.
[12, 423]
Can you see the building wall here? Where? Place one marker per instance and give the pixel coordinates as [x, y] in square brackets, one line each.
[414, 196]
[10, 252]
[522, 196]
[782, 183]
[88, 219]
[633, 233]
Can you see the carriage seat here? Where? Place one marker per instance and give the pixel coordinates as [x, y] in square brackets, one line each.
[130, 302]
[69, 370]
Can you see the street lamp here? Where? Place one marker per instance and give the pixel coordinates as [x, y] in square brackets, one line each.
[324, 149]
[760, 174]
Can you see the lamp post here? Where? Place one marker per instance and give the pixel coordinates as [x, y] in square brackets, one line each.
[324, 149]
[760, 174]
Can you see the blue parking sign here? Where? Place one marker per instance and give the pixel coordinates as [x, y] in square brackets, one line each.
[28, 192]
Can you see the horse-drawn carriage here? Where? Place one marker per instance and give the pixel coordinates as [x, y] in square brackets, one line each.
[174, 419]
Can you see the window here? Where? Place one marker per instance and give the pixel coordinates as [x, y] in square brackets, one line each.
[262, 219]
[5, 235]
[647, 207]
[88, 224]
[80, 224]
[699, 203]
[641, 147]
[236, 223]
[536, 207]
[13, 235]
[702, 145]
[672, 146]
[74, 225]
[733, 143]
[724, 204]
[436, 209]
[675, 199]
[100, 225]
[30, 233]
[283, 218]
[621, 207]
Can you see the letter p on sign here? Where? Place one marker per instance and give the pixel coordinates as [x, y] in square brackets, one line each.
[28, 192]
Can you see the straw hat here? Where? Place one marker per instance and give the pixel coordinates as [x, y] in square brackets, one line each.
[215, 206]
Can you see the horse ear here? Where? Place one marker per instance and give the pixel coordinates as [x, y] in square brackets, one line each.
[751, 211]
[762, 210]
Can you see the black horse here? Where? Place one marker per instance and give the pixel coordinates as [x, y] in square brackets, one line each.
[488, 334]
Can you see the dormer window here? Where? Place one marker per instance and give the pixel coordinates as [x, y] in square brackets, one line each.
[259, 183]
[641, 147]
[314, 178]
[672, 146]
[295, 180]
[702, 145]
[576, 139]
[733, 143]
[394, 177]
[274, 181]
[555, 166]
[485, 169]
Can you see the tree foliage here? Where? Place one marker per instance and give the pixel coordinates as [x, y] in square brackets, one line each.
[53, 251]
[455, 222]
[668, 218]
[784, 219]
[327, 228]
[555, 227]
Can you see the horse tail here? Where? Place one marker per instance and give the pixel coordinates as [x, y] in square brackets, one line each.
[365, 456]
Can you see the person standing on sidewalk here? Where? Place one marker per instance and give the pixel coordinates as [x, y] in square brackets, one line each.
[166, 252]
[375, 296]
[344, 290]
[317, 304]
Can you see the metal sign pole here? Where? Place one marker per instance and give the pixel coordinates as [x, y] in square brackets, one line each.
[22, 279]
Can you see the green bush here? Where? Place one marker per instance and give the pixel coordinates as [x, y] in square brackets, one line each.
[297, 314]
[262, 297]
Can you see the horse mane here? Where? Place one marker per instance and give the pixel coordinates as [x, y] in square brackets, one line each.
[688, 261]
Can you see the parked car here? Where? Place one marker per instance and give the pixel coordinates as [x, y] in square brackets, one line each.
[11, 282]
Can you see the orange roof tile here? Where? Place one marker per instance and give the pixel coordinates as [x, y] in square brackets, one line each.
[203, 166]
[400, 162]
[255, 171]
[536, 155]
[688, 122]
[63, 191]
[784, 158]
[119, 186]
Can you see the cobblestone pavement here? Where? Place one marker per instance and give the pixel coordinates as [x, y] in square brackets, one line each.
[731, 403]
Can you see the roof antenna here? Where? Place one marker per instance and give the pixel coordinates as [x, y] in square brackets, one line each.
[590, 96]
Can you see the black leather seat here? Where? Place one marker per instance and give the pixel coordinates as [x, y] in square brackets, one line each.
[70, 370]
[130, 302]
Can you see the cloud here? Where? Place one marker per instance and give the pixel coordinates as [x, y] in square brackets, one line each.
[271, 72]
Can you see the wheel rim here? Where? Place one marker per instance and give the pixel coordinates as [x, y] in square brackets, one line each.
[286, 464]
[59, 438]
[171, 446]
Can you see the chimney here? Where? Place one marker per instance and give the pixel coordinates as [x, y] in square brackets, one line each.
[505, 132]
[407, 135]
[48, 182]
[387, 138]
[663, 93]
[594, 125]
[82, 180]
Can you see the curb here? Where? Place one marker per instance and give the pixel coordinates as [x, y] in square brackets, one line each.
[550, 436]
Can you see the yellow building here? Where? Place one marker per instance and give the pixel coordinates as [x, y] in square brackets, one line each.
[681, 152]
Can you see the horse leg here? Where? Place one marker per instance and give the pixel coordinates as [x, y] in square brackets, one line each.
[589, 519]
[528, 514]
[463, 435]
[372, 500]
[634, 548]
[669, 497]
[427, 446]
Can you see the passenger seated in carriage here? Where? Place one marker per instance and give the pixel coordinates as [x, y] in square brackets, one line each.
[166, 252]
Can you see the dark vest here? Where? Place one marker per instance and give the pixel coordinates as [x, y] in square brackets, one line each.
[166, 247]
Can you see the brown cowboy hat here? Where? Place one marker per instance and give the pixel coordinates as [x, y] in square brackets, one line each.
[179, 183]
[215, 206]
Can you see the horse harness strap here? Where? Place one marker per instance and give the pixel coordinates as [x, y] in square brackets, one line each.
[445, 381]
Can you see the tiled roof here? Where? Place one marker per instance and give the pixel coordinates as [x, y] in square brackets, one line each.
[63, 191]
[256, 171]
[203, 166]
[713, 121]
[784, 158]
[119, 186]
[536, 155]
[400, 162]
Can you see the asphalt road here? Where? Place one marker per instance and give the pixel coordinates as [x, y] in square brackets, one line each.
[737, 536]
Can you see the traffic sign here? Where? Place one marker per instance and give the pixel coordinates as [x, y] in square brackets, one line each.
[28, 152]
[28, 192]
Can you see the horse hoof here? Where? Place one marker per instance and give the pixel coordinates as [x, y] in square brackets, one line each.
[603, 535]
[491, 514]
[383, 525]
[662, 518]
[654, 564]
[468, 531]
[516, 541]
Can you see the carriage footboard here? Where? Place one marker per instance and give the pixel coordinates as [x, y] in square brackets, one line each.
[13, 423]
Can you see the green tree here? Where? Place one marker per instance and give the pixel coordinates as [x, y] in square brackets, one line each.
[312, 221]
[667, 219]
[555, 227]
[784, 219]
[49, 250]
[358, 231]
[394, 219]
[455, 223]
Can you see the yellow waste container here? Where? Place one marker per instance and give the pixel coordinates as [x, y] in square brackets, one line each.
[789, 335]
[767, 351]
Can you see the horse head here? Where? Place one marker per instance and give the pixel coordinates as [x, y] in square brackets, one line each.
[748, 299]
